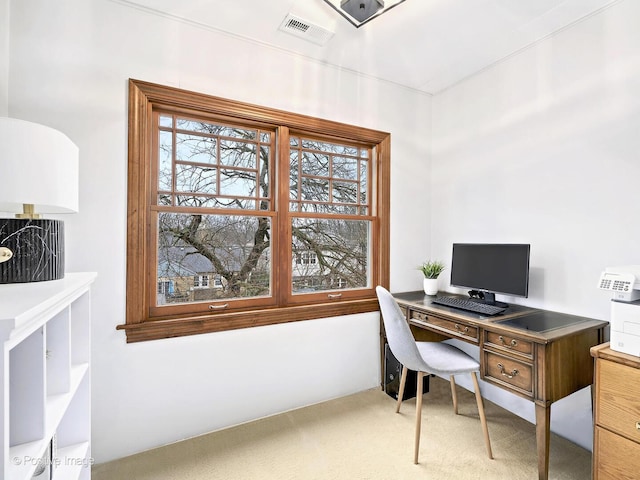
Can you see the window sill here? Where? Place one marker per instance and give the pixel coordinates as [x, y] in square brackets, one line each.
[193, 325]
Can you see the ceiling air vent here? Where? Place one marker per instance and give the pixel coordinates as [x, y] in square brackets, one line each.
[307, 30]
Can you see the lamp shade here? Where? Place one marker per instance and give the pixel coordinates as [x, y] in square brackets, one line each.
[38, 166]
[38, 174]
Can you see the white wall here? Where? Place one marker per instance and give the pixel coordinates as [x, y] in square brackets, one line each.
[4, 57]
[70, 61]
[543, 148]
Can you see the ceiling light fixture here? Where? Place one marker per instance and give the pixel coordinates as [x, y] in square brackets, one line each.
[359, 12]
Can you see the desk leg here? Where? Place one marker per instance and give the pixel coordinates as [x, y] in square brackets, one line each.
[543, 420]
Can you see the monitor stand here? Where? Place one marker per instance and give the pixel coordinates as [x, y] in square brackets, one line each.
[490, 299]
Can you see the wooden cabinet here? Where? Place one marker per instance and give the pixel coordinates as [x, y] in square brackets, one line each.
[45, 328]
[616, 441]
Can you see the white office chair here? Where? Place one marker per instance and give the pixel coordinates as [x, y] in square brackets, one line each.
[426, 358]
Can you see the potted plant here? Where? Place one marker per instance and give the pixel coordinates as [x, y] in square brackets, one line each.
[431, 269]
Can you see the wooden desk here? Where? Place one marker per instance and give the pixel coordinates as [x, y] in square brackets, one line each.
[539, 355]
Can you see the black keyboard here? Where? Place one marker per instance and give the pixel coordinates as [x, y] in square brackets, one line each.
[469, 305]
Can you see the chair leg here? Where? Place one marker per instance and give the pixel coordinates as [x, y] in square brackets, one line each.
[403, 380]
[483, 418]
[454, 396]
[418, 415]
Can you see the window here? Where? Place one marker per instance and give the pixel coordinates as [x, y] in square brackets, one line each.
[165, 287]
[241, 215]
[306, 258]
[201, 281]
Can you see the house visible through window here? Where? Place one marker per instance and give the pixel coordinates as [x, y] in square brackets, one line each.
[250, 212]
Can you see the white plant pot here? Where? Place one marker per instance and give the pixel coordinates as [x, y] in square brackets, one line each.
[430, 286]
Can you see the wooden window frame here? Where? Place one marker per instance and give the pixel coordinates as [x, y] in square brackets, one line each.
[139, 325]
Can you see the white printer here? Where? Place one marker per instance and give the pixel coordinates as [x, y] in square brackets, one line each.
[624, 283]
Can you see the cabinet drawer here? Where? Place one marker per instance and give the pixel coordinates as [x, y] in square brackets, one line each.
[615, 457]
[618, 398]
[508, 372]
[458, 329]
[509, 343]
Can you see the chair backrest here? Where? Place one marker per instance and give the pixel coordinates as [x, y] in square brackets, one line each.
[399, 336]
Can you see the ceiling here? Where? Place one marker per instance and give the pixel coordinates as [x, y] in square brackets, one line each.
[427, 45]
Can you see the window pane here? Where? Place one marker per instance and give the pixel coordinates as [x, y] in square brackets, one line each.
[314, 189]
[364, 181]
[165, 160]
[190, 178]
[237, 183]
[235, 250]
[237, 133]
[238, 154]
[315, 164]
[194, 148]
[293, 174]
[330, 254]
[214, 129]
[220, 202]
[345, 192]
[329, 147]
[166, 120]
[346, 168]
[327, 208]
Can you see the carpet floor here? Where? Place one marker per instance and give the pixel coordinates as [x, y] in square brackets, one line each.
[361, 437]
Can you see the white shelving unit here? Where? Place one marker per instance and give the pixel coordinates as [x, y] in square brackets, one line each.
[45, 330]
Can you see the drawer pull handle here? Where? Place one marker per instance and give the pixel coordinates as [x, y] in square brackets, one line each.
[514, 372]
[334, 295]
[460, 329]
[637, 425]
[218, 307]
[513, 342]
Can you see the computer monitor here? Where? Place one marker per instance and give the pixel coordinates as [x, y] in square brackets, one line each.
[491, 268]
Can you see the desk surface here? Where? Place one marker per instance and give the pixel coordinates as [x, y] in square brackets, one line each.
[535, 324]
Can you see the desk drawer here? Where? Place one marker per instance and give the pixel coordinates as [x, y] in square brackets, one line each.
[508, 372]
[618, 398]
[508, 343]
[615, 457]
[458, 329]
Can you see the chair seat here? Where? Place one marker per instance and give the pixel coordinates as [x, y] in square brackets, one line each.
[444, 359]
